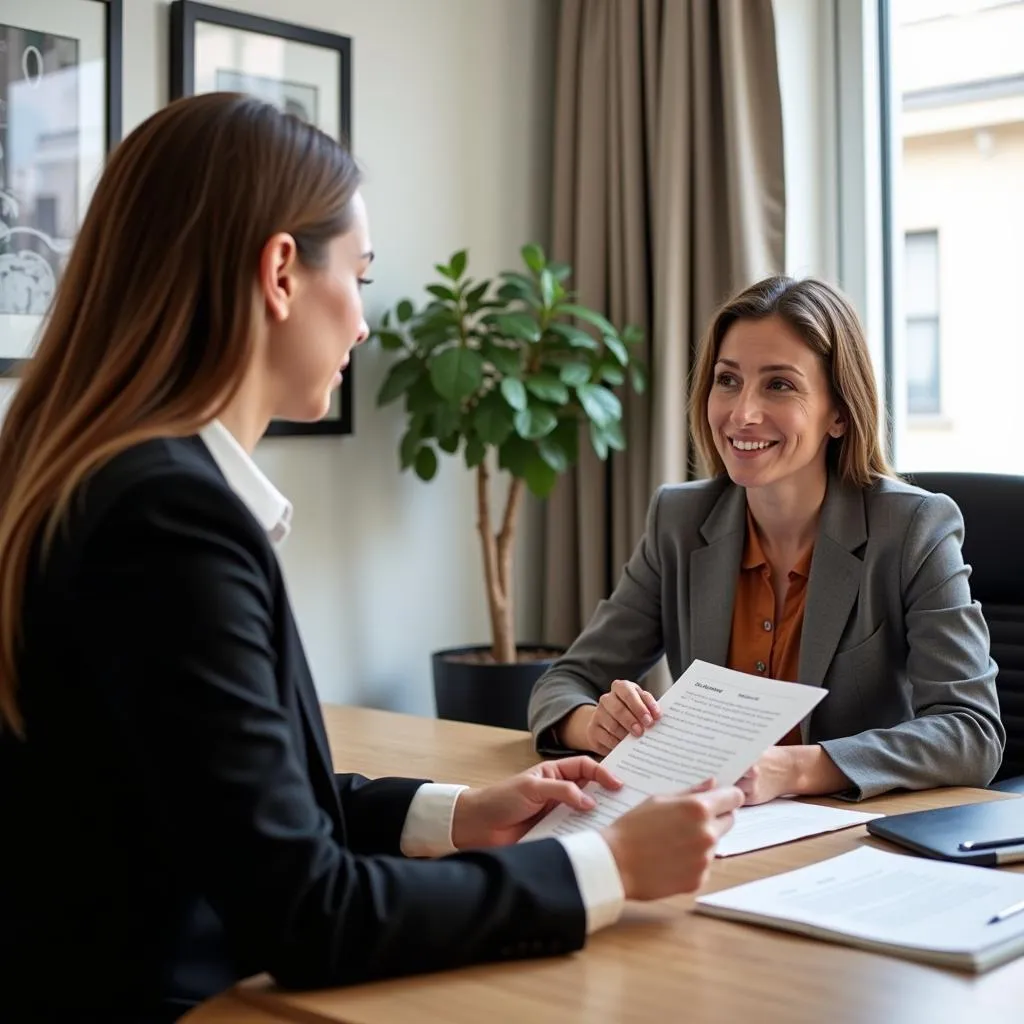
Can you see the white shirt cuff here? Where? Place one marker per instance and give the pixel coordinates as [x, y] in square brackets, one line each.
[597, 876]
[428, 825]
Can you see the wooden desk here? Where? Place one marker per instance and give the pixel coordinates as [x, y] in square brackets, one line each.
[659, 963]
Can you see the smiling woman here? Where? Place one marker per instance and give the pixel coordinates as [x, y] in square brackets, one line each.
[833, 572]
[318, 314]
[771, 410]
[810, 331]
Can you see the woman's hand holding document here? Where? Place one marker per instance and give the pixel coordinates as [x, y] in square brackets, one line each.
[666, 845]
[715, 724]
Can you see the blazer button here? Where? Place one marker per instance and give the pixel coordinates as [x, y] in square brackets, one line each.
[761, 666]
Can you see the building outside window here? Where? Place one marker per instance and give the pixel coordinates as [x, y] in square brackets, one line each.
[957, 190]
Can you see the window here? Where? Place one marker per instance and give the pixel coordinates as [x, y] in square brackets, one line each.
[921, 306]
[955, 77]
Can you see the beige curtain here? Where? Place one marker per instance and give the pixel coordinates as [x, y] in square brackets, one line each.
[668, 194]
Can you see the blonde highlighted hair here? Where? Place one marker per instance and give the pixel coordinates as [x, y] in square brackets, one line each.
[150, 331]
[826, 321]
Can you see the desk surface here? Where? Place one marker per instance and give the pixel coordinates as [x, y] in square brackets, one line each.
[659, 962]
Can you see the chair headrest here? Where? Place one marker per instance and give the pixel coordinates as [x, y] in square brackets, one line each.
[992, 505]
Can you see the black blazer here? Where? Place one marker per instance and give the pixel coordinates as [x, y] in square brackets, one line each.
[172, 822]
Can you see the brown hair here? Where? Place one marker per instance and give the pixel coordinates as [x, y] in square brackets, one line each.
[149, 333]
[824, 318]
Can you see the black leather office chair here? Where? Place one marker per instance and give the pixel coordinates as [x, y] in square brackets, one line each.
[993, 510]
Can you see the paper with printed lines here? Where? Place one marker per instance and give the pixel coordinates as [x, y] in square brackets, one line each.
[715, 723]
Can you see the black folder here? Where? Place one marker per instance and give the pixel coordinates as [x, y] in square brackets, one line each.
[990, 833]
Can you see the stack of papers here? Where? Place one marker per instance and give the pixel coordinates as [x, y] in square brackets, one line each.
[951, 914]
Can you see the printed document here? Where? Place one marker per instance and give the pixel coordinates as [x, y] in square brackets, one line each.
[953, 914]
[714, 723]
[782, 821]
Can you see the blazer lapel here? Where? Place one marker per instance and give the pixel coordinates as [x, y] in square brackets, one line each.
[713, 573]
[311, 708]
[314, 732]
[835, 579]
[314, 721]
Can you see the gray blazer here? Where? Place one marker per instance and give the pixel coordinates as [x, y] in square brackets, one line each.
[889, 628]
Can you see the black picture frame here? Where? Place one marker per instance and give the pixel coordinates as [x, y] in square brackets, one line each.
[186, 16]
[113, 41]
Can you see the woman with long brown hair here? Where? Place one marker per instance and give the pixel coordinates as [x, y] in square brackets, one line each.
[169, 818]
[802, 557]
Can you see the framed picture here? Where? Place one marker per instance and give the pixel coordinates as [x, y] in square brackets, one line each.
[60, 114]
[303, 71]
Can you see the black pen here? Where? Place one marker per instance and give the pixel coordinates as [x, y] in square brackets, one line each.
[1015, 908]
[991, 844]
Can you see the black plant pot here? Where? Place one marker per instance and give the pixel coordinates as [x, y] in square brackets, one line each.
[486, 693]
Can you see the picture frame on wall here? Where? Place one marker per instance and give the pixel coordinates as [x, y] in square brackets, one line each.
[301, 70]
[60, 115]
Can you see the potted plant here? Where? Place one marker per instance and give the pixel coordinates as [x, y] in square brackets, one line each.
[506, 373]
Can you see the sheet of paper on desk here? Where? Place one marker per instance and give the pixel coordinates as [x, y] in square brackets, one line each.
[714, 723]
[908, 906]
[782, 821]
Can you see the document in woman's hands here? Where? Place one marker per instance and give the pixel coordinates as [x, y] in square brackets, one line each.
[715, 723]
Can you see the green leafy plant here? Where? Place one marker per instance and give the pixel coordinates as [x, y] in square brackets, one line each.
[507, 370]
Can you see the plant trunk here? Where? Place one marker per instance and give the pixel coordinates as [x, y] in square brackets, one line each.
[497, 551]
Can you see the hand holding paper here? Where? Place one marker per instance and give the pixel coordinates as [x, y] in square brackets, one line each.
[715, 723]
[666, 845]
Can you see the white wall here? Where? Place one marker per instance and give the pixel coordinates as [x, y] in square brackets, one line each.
[450, 122]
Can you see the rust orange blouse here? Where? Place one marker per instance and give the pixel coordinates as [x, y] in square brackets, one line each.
[758, 643]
